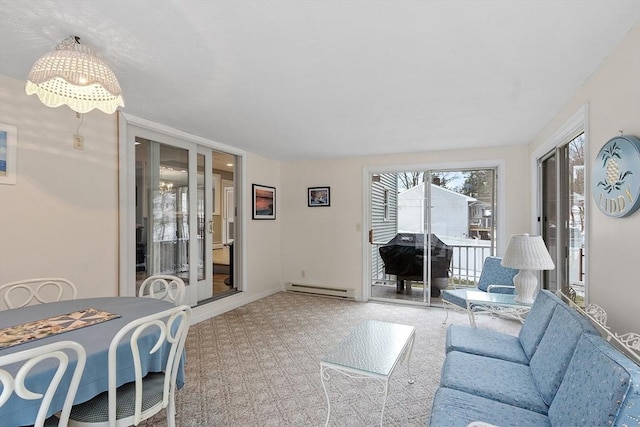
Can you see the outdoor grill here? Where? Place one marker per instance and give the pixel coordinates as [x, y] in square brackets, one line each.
[404, 254]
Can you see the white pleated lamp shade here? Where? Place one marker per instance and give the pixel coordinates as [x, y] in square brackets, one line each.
[75, 76]
[527, 252]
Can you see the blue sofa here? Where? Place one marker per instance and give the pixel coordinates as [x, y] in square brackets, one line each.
[557, 372]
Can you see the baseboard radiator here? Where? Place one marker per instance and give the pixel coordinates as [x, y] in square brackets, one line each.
[321, 290]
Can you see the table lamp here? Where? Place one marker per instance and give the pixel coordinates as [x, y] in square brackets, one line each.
[527, 253]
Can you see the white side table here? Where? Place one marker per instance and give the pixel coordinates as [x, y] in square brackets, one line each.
[493, 303]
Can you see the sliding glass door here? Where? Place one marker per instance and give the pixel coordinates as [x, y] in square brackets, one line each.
[179, 214]
[563, 216]
[429, 229]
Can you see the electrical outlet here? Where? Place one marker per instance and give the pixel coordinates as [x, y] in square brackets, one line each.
[78, 142]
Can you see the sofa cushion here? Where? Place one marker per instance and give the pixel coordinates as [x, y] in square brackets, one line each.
[595, 386]
[493, 273]
[506, 382]
[453, 408]
[537, 321]
[456, 296]
[549, 362]
[485, 342]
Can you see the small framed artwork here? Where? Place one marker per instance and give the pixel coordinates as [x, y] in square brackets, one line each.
[8, 153]
[264, 202]
[319, 196]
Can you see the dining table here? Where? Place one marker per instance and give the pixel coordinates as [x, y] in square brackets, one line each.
[95, 338]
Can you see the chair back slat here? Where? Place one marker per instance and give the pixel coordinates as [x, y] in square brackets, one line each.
[57, 351]
[173, 326]
[22, 293]
[164, 287]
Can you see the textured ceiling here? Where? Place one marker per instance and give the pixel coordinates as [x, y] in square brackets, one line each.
[322, 79]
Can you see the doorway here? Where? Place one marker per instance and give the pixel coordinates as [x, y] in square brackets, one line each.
[563, 217]
[172, 210]
[447, 217]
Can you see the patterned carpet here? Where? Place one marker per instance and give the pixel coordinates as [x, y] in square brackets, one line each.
[258, 365]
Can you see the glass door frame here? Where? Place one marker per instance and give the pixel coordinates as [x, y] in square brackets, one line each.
[131, 127]
[573, 127]
[500, 243]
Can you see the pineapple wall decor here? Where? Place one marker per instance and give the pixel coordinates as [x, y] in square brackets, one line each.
[616, 177]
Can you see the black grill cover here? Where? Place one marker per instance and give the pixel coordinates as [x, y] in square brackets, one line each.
[403, 256]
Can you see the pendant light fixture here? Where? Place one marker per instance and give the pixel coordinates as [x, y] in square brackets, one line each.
[73, 75]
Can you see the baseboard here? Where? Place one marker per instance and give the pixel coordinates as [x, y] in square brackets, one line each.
[215, 308]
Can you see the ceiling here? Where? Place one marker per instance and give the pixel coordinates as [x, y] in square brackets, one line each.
[294, 80]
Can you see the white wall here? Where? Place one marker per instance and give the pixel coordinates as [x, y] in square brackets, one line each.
[60, 218]
[613, 258]
[264, 237]
[325, 242]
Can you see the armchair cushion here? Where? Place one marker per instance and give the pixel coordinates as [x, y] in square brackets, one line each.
[485, 342]
[454, 408]
[550, 361]
[537, 321]
[493, 273]
[599, 386]
[495, 379]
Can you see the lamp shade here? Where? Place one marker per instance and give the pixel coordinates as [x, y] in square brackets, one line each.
[526, 252]
[75, 76]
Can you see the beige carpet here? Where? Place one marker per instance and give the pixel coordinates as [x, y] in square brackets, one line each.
[258, 365]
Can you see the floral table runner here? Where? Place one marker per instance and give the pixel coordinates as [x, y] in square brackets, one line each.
[38, 329]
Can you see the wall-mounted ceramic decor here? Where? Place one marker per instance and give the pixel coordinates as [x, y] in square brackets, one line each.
[264, 202]
[615, 181]
[318, 196]
[8, 153]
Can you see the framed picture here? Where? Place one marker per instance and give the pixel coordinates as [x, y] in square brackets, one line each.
[264, 202]
[8, 153]
[319, 196]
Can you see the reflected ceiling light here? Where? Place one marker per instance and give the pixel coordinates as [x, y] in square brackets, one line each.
[73, 75]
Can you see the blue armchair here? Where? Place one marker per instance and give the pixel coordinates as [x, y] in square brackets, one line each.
[494, 278]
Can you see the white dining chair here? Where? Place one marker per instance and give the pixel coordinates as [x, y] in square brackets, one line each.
[36, 291]
[163, 286]
[31, 357]
[136, 401]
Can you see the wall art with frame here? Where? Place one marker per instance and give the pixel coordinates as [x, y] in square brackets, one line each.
[318, 196]
[8, 153]
[264, 202]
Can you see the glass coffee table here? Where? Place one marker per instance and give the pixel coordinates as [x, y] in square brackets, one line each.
[372, 350]
[502, 305]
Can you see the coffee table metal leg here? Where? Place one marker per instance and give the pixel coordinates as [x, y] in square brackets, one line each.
[325, 377]
[384, 402]
[413, 340]
[472, 318]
